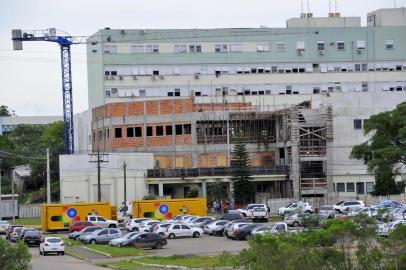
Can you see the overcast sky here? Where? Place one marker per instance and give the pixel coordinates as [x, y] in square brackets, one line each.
[30, 80]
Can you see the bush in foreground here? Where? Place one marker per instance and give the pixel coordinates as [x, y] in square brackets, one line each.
[14, 257]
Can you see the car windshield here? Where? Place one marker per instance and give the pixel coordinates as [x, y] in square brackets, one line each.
[18, 229]
[32, 233]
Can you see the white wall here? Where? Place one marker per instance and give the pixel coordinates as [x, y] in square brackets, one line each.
[78, 177]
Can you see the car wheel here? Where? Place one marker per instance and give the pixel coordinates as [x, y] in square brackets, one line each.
[161, 233]
[75, 238]
[134, 230]
[112, 226]
[158, 245]
[171, 236]
[40, 252]
[63, 253]
[295, 224]
[44, 253]
[244, 215]
[92, 241]
[196, 234]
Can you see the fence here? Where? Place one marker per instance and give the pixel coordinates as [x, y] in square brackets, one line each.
[29, 210]
[6, 208]
[275, 204]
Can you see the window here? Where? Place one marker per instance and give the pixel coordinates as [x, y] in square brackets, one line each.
[107, 73]
[180, 48]
[118, 133]
[187, 129]
[92, 218]
[178, 130]
[177, 92]
[280, 46]
[236, 48]
[168, 130]
[170, 94]
[107, 94]
[113, 73]
[185, 227]
[137, 48]
[357, 124]
[340, 187]
[130, 132]
[152, 49]
[195, 48]
[361, 44]
[340, 45]
[320, 45]
[176, 227]
[390, 44]
[263, 47]
[110, 48]
[101, 219]
[300, 46]
[104, 232]
[365, 86]
[149, 131]
[159, 130]
[357, 67]
[316, 90]
[369, 187]
[350, 187]
[142, 93]
[138, 132]
[220, 48]
[360, 188]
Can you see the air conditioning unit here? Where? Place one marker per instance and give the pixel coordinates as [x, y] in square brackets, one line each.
[135, 77]
[121, 78]
[359, 51]
[300, 52]
[322, 52]
[107, 77]
[197, 76]
[161, 77]
[154, 77]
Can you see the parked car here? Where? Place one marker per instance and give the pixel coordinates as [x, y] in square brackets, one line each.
[134, 224]
[10, 230]
[32, 238]
[146, 225]
[102, 236]
[231, 216]
[390, 227]
[199, 221]
[348, 205]
[388, 204]
[259, 213]
[294, 220]
[220, 229]
[247, 211]
[280, 228]
[189, 219]
[161, 228]
[102, 222]
[369, 211]
[183, 230]
[398, 213]
[327, 211]
[79, 225]
[243, 232]
[227, 226]
[177, 219]
[24, 231]
[4, 226]
[149, 240]
[263, 229]
[209, 228]
[234, 229]
[301, 207]
[85, 231]
[52, 245]
[124, 240]
[15, 235]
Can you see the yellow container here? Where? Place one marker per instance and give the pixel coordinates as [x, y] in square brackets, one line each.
[166, 209]
[59, 216]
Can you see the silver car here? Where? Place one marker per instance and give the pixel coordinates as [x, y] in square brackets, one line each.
[4, 225]
[199, 221]
[102, 236]
[327, 211]
[208, 228]
[121, 241]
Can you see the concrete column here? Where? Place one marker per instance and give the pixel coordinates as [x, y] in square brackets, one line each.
[204, 189]
[232, 194]
[160, 190]
[295, 158]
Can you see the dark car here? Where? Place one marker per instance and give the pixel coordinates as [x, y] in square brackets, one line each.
[244, 233]
[87, 230]
[219, 231]
[148, 240]
[241, 220]
[24, 231]
[32, 238]
[79, 225]
[231, 216]
[11, 230]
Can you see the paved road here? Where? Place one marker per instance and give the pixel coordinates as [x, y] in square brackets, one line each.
[56, 262]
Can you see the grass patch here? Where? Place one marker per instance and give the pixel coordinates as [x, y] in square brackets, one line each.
[117, 252]
[36, 221]
[186, 261]
[127, 265]
[275, 218]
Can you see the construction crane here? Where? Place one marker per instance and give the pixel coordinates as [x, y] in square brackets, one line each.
[65, 41]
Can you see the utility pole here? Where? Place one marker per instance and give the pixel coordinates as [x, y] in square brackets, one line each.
[48, 179]
[12, 196]
[99, 160]
[125, 188]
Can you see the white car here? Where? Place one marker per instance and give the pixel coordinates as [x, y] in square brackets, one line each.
[199, 221]
[102, 222]
[189, 219]
[183, 230]
[4, 225]
[161, 228]
[348, 205]
[390, 227]
[369, 211]
[208, 228]
[399, 213]
[134, 224]
[301, 207]
[247, 211]
[52, 245]
[147, 225]
[260, 213]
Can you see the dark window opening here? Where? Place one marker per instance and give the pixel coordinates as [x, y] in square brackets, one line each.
[138, 131]
[198, 94]
[149, 131]
[187, 129]
[159, 130]
[113, 73]
[118, 133]
[168, 130]
[357, 124]
[155, 72]
[178, 130]
[130, 132]
[107, 73]
[170, 94]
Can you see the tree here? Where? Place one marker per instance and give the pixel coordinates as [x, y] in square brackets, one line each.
[217, 191]
[4, 110]
[241, 172]
[192, 193]
[14, 257]
[385, 151]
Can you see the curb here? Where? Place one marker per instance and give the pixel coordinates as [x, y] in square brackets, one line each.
[100, 252]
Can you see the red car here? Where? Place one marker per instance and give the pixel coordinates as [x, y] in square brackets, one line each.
[11, 230]
[79, 225]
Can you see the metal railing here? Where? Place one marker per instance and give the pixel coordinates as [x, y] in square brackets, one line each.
[313, 183]
[217, 171]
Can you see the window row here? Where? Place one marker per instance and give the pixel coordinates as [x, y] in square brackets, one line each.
[358, 187]
[157, 131]
[321, 46]
[360, 123]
